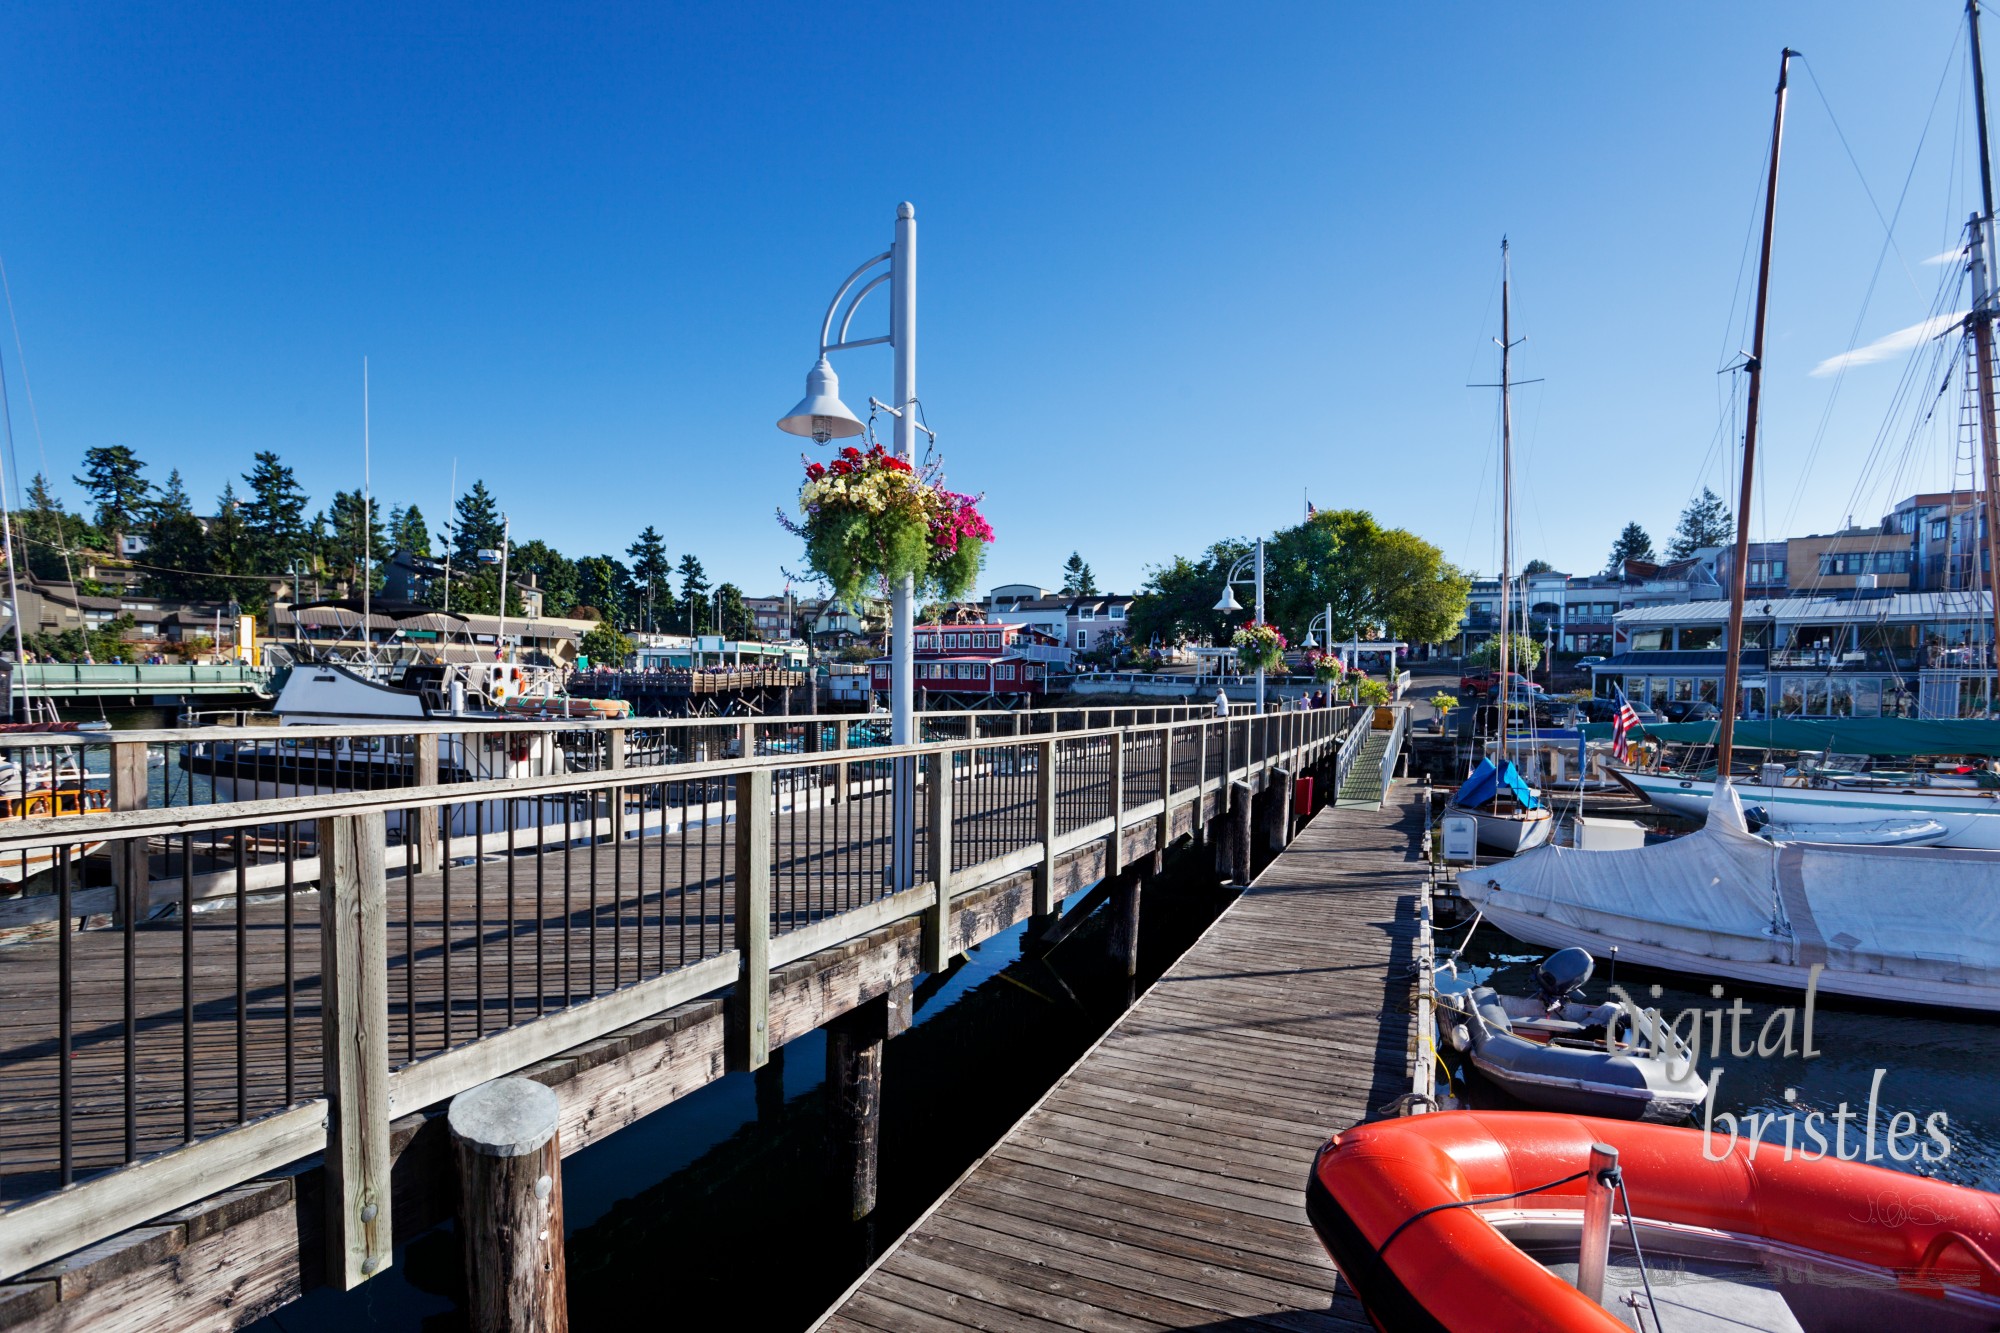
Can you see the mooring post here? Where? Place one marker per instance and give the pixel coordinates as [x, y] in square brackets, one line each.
[768, 1088]
[1199, 825]
[510, 1211]
[1163, 837]
[1239, 832]
[426, 845]
[1278, 829]
[854, 1043]
[129, 863]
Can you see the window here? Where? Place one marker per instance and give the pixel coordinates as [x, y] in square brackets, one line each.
[1086, 613]
[1791, 696]
[1004, 671]
[1891, 562]
[1082, 639]
[1777, 568]
[1816, 696]
[1117, 613]
[1938, 529]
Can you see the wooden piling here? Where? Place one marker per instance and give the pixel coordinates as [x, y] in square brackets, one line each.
[1278, 816]
[510, 1206]
[1124, 937]
[128, 855]
[1239, 832]
[854, 1043]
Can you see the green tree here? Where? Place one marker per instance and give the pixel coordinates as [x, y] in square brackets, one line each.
[1078, 581]
[476, 526]
[694, 589]
[274, 516]
[49, 532]
[555, 574]
[1705, 522]
[115, 480]
[601, 582]
[229, 553]
[1632, 544]
[605, 646]
[651, 570]
[1177, 601]
[1537, 567]
[176, 545]
[737, 622]
[1524, 654]
[1367, 574]
[408, 532]
[349, 540]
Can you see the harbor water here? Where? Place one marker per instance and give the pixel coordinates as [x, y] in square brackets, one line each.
[732, 1179]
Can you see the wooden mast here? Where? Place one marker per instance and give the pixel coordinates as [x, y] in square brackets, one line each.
[1982, 339]
[1732, 670]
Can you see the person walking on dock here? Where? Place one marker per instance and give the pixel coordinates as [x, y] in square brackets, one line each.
[1221, 703]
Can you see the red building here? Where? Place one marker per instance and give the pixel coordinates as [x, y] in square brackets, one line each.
[977, 659]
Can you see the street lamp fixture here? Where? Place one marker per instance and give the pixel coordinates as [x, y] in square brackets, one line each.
[1228, 602]
[821, 416]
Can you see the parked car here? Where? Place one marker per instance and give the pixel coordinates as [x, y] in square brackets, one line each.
[1482, 682]
[1586, 663]
[1691, 710]
[1604, 710]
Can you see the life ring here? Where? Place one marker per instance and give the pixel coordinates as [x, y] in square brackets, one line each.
[521, 749]
[1450, 1268]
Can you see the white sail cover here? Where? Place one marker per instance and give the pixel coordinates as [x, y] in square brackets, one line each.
[1924, 913]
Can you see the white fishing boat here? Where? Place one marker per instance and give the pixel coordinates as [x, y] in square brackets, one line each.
[1917, 925]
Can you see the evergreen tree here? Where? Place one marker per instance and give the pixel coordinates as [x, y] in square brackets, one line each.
[651, 569]
[48, 531]
[600, 583]
[1078, 581]
[229, 549]
[1537, 567]
[694, 590]
[1705, 522]
[176, 545]
[737, 622]
[1632, 544]
[408, 532]
[116, 482]
[273, 516]
[555, 574]
[346, 545]
[476, 526]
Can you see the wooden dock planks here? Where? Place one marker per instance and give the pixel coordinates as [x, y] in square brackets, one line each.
[1161, 1184]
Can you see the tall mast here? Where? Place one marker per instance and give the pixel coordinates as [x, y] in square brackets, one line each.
[367, 527]
[1732, 670]
[1982, 340]
[1506, 341]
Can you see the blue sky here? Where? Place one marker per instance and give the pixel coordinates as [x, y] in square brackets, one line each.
[1179, 263]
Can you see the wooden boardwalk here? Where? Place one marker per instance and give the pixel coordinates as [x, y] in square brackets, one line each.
[1161, 1184]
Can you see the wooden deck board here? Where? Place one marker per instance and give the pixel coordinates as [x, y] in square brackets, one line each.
[1160, 1184]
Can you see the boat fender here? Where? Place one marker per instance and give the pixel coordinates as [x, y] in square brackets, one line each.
[1461, 1040]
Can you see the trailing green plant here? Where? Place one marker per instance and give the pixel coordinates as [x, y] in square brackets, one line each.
[1369, 690]
[870, 516]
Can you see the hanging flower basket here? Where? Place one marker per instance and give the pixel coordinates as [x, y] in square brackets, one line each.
[869, 517]
[1259, 647]
[1327, 669]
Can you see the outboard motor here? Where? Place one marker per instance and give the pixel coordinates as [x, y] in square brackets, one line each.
[1560, 975]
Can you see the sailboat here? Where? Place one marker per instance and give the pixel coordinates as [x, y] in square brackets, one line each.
[1911, 924]
[1509, 814]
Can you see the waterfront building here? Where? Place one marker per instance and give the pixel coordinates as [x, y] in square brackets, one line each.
[977, 660]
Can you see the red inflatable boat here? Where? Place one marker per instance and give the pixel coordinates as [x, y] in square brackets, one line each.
[1411, 1212]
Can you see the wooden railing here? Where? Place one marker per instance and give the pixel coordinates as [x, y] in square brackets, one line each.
[355, 955]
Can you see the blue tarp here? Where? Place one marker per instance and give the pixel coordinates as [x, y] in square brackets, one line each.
[1480, 787]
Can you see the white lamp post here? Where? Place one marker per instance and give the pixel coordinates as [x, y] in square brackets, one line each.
[1229, 602]
[821, 416]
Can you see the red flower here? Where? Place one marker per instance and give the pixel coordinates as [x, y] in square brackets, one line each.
[814, 472]
[851, 453]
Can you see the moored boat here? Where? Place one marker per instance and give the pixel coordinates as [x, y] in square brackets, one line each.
[1509, 813]
[1970, 816]
[1465, 1220]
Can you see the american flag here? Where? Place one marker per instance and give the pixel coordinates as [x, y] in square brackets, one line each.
[1623, 723]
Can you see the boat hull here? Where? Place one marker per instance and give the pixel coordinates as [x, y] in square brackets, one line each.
[1509, 832]
[1971, 817]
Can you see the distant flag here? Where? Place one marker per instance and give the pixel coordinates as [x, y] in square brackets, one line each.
[1623, 723]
